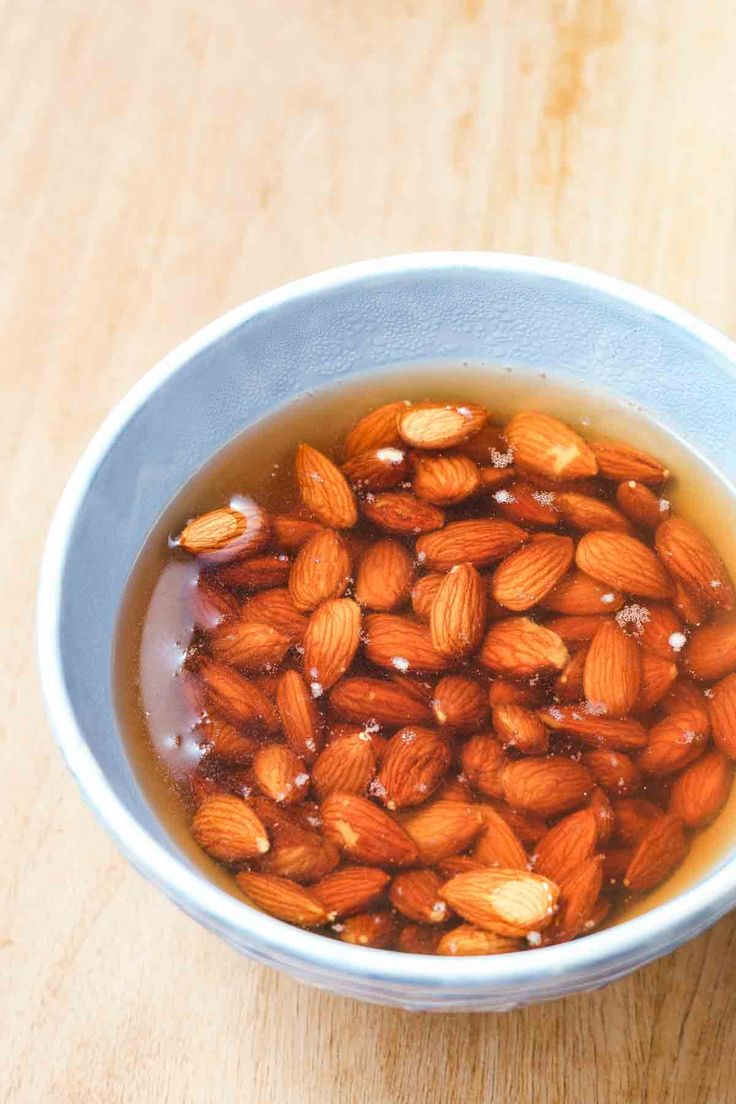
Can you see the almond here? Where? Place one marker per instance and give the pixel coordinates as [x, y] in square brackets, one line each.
[275, 607]
[283, 898]
[351, 889]
[506, 691]
[443, 828]
[528, 827]
[711, 653]
[587, 513]
[423, 594]
[600, 806]
[615, 863]
[430, 425]
[401, 512]
[419, 939]
[416, 760]
[369, 929]
[582, 721]
[290, 533]
[365, 832]
[722, 709]
[482, 760]
[528, 575]
[225, 741]
[507, 902]
[212, 604]
[416, 894]
[614, 771]
[375, 430]
[493, 478]
[476, 542]
[384, 576]
[624, 563]
[323, 489]
[300, 855]
[657, 854]
[347, 764]
[468, 940]
[547, 447]
[226, 534]
[228, 829]
[488, 446]
[330, 642]
[527, 505]
[445, 480]
[632, 819]
[618, 461]
[683, 694]
[373, 699]
[457, 617]
[658, 629]
[568, 685]
[236, 697]
[675, 742]
[691, 558]
[454, 788]
[547, 787]
[578, 896]
[688, 605]
[320, 571]
[458, 864]
[657, 675]
[301, 720]
[566, 846]
[377, 469]
[579, 595]
[612, 672]
[459, 702]
[519, 647]
[700, 792]
[257, 573]
[521, 729]
[400, 644]
[574, 631]
[641, 505]
[252, 645]
[280, 774]
[498, 844]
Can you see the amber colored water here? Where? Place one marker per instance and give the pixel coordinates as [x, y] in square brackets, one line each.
[154, 627]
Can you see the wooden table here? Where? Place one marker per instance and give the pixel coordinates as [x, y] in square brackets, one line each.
[165, 160]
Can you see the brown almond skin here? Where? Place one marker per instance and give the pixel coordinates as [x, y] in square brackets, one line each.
[236, 697]
[423, 594]
[290, 533]
[617, 460]
[301, 719]
[443, 828]
[711, 652]
[657, 676]
[579, 595]
[458, 614]
[578, 897]
[482, 761]
[364, 699]
[226, 533]
[369, 929]
[722, 711]
[250, 645]
[400, 644]
[624, 563]
[520, 728]
[641, 505]
[574, 631]
[612, 671]
[568, 686]
[526, 576]
[283, 898]
[674, 742]
[586, 513]
[351, 889]
[548, 447]
[566, 845]
[300, 855]
[416, 894]
[700, 792]
[228, 829]
[320, 571]
[460, 702]
[402, 513]
[377, 469]
[498, 843]
[385, 576]
[445, 480]
[614, 771]
[520, 647]
[346, 765]
[507, 902]
[258, 573]
[280, 774]
[419, 939]
[548, 787]
[657, 854]
[275, 607]
[415, 762]
[211, 604]
[376, 429]
[632, 819]
[467, 940]
[616, 734]
[365, 832]
[527, 505]
[429, 425]
[477, 542]
[323, 489]
[331, 641]
[225, 741]
[691, 558]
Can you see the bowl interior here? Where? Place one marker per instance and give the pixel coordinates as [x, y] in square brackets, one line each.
[247, 365]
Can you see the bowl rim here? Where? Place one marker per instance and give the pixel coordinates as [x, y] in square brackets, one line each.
[599, 955]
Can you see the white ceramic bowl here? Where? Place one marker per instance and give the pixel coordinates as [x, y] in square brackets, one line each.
[436, 307]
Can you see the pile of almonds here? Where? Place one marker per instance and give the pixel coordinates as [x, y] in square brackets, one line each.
[475, 693]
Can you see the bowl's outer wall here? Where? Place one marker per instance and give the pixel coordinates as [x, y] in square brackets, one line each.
[514, 317]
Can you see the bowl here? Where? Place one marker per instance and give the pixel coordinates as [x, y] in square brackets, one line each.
[539, 315]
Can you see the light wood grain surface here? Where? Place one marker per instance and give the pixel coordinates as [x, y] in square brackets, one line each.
[163, 160]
